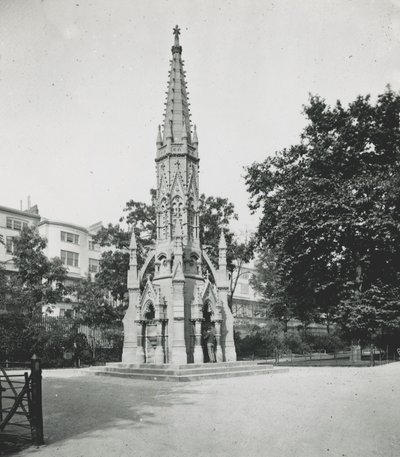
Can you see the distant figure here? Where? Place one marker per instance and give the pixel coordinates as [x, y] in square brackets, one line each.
[210, 340]
[76, 357]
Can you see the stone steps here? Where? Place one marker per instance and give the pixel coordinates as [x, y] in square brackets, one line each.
[184, 373]
[171, 371]
[184, 366]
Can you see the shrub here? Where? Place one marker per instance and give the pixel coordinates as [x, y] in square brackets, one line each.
[16, 342]
[295, 343]
[261, 341]
[328, 342]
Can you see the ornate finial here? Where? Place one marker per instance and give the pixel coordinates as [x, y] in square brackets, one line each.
[176, 47]
[177, 32]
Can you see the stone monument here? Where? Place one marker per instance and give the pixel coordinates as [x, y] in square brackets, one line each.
[168, 313]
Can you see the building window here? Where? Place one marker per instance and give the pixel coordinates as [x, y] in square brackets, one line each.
[93, 265]
[93, 246]
[16, 224]
[10, 247]
[69, 237]
[70, 258]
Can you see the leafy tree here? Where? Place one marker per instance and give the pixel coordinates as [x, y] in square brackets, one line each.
[141, 218]
[267, 281]
[38, 281]
[3, 286]
[96, 310]
[330, 211]
[114, 264]
[94, 307]
[369, 314]
[216, 213]
[239, 253]
[112, 275]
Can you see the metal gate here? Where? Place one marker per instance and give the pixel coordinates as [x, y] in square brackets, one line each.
[21, 417]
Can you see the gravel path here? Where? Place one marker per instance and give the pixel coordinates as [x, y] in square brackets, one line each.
[308, 412]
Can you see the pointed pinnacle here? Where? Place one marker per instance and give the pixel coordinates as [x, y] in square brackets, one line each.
[169, 130]
[159, 139]
[222, 241]
[133, 245]
[195, 140]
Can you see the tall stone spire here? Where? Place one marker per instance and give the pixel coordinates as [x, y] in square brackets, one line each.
[178, 294]
[177, 113]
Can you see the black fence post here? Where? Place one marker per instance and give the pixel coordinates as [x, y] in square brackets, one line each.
[36, 413]
[1, 400]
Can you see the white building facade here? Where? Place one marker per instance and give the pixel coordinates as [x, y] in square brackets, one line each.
[72, 243]
[12, 221]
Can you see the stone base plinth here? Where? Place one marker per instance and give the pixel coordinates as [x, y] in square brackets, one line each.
[187, 372]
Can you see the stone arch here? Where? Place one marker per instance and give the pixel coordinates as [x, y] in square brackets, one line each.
[207, 322]
[207, 311]
[150, 256]
[162, 264]
[210, 265]
[149, 310]
[162, 256]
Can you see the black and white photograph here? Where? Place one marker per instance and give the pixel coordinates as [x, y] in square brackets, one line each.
[199, 228]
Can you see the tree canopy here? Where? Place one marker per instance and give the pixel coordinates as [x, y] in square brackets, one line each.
[330, 212]
[94, 306]
[38, 281]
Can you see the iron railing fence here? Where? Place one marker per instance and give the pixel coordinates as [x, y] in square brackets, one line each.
[324, 358]
[68, 324]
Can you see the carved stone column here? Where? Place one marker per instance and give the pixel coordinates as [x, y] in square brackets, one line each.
[198, 356]
[159, 352]
[141, 343]
[218, 349]
[179, 354]
[129, 353]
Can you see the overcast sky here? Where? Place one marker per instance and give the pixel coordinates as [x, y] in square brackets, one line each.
[82, 87]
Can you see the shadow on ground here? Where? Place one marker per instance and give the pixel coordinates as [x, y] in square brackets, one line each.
[81, 405]
[11, 444]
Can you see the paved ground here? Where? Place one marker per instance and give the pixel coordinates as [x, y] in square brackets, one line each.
[308, 412]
